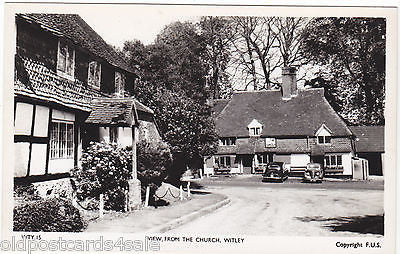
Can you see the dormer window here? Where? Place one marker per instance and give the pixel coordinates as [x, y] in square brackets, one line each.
[255, 128]
[94, 74]
[324, 135]
[227, 141]
[65, 60]
[119, 83]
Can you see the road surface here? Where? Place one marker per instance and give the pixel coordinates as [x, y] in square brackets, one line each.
[293, 209]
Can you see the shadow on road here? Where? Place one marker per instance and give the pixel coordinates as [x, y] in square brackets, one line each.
[368, 224]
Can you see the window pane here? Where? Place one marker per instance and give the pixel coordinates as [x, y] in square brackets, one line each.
[62, 57]
[70, 61]
[228, 161]
[70, 140]
[54, 140]
[327, 161]
[62, 140]
[327, 139]
[339, 160]
[321, 139]
[333, 160]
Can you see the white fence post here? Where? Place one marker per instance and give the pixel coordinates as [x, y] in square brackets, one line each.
[188, 189]
[101, 206]
[181, 192]
[146, 204]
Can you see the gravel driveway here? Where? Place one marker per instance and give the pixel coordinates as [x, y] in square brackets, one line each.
[291, 209]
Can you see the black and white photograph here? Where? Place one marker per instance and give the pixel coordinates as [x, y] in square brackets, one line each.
[201, 127]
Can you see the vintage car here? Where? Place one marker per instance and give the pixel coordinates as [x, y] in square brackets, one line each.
[276, 171]
[313, 173]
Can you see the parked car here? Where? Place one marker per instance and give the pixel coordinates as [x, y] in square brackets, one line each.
[276, 171]
[313, 173]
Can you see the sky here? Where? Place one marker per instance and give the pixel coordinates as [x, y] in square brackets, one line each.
[127, 24]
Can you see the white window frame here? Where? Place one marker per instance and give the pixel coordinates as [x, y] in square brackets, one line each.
[270, 142]
[56, 146]
[326, 140]
[64, 73]
[93, 80]
[119, 85]
[224, 160]
[227, 141]
[334, 165]
[255, 128]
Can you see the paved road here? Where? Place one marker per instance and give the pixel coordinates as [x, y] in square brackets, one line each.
[293, 209]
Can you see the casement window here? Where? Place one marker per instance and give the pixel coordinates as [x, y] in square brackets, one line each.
[264, 158]
[61, 140]
[113, 134]
[94, 74]
[333, 161]
[65, 60]
[270, 142]
[255, 128]
[255, 131]
[224, 161]
[324, 139]
[119, 83]
[227, 141]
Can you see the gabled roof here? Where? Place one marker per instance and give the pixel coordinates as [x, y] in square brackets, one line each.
[369, 138]
[76, 29]
[302, 115]
[115, 111]
[112, 111]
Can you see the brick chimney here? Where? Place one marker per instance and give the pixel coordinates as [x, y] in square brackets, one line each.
[289, 82]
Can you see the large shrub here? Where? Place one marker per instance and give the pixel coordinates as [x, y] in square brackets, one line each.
[48, 215]
[106, 168]
[153, 161]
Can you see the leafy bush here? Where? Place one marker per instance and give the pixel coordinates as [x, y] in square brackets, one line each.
[26, 192]
[153, 161]
[48, 215]
[106, 168]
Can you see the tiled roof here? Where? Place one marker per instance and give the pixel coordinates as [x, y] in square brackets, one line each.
[112, 111]
[300, 116]
[369, 138]
[286, 145]
[115, 111]
[37, 81]
[218, 105]
[76, 29]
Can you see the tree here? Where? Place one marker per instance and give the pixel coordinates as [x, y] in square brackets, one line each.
[172, 83]
[217, 34]
[352, 51]
[253, 44]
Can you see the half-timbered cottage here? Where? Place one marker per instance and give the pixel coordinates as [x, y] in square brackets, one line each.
[70, 88]
[287, 125]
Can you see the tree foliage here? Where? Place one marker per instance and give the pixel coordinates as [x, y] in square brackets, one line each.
[352, 52]
[173, 73]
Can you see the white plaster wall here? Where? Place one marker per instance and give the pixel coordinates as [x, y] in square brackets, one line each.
[346, 160]
[62, 115]
[41, 121]
[125, 136]
[23, 118]
[104, 134]
[21, 156]
[299, 160]
[38, 159]
[60, 165]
